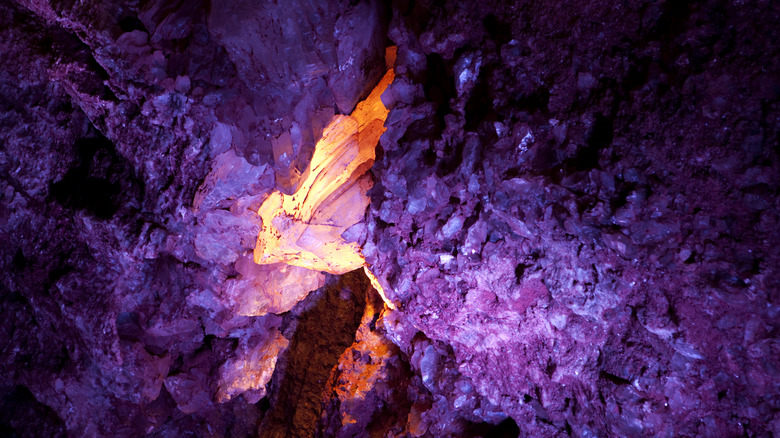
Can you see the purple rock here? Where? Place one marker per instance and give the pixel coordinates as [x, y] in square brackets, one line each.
[575, 223]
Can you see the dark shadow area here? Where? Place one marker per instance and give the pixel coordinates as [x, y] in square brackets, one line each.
[101, 181]
[324, 331]
[21, 415]
[505, 429]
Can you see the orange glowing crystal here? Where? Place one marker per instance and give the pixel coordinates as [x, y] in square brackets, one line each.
[305, 229]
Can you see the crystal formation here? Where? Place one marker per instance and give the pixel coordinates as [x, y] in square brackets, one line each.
[574, 212]
[308, 228]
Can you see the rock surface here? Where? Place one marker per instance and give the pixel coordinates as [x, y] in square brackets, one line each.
[574, 214]
[579, 205]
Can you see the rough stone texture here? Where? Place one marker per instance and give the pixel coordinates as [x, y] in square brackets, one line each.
[271, 75]
[129, 173]
[299, 60]
[368, 389]
[321, 328]
[580, 202]
[575, 213]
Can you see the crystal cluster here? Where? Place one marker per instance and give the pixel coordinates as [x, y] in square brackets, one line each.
[313, 227]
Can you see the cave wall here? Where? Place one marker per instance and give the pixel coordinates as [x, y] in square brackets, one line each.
[132, 157]
[579, 201]
[574, 211]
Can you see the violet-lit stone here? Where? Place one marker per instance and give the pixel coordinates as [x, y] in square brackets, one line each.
[574, 214]
[551, 267]
[262, 289]
[308, 57]
[190, 391]
[251, 367]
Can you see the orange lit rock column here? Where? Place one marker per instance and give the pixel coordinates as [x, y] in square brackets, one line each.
[306, 228]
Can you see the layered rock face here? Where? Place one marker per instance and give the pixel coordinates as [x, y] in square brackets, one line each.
[572, 217]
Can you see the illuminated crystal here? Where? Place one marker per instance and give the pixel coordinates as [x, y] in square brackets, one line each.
[305, 229]
[251, 368]
[274, 288]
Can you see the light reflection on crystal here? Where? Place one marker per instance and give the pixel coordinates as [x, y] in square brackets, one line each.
[306, 229]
